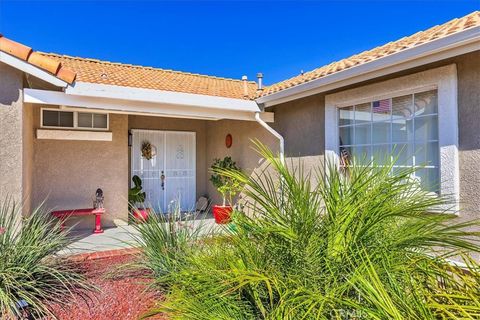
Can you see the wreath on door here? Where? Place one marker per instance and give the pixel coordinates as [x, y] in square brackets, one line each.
[148, 150]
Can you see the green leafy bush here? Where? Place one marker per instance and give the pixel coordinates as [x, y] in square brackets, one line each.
[29, 268]
[360, 246]
[225, 185]
[136, 195]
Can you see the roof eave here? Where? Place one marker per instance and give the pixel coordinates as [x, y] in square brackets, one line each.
[127, 100]
[86, 89]
[31, 70]
[456, 44]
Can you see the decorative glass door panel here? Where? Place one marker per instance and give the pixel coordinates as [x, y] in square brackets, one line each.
[180, 169]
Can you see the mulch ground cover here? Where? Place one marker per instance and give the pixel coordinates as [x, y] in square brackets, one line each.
[119, 297]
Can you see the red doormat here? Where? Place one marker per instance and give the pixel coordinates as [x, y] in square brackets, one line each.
[120, 297]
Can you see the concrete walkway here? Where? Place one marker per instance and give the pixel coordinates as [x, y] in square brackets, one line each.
[121, 237]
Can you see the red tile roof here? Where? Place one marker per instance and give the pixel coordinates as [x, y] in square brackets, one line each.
[127, 75]
[440, 31]
[72, 69]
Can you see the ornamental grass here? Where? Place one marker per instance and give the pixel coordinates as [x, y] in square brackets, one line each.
[32, 276]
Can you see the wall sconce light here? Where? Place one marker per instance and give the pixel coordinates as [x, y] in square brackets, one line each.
[129, 138]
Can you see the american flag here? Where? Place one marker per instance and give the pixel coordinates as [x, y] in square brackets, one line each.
[344, 157]
[381, 106]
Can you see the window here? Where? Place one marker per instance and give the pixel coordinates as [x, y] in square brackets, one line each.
[52, 118]
[416, 113]
[92, 120]
[56, 118]
[403, 127]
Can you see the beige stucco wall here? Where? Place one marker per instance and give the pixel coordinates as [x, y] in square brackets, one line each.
[295, 118]
[241, 150]
[67, 173]
[301, 122]
[11, 117]
[16, 144]
[176, 124]
[468, 68]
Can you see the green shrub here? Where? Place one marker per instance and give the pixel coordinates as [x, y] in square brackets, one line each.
[226, 186]
[136, 195]
[360, 246]
[29, 268]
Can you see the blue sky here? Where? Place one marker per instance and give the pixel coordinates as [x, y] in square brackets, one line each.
[229, 38]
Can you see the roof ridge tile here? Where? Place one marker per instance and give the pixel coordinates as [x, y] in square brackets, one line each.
[129, 65]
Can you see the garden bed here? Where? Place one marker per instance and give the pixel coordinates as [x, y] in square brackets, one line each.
[120, 297]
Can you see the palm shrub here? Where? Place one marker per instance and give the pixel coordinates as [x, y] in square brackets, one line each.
[362, 245]
[164, 241]
[30, 271]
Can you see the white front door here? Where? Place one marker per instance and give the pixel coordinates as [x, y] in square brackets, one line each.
[168, 178]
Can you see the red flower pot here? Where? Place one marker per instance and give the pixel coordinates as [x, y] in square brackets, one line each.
[141, 214]
[222, 214]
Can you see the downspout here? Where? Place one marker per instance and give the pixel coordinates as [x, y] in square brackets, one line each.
[282, 152]
[275, 133]
[265, 125]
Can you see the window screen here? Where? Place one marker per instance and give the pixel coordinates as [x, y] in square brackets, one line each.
[67, 119]
[53, 118]
[404, 127]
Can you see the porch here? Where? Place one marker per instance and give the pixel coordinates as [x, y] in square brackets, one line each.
[70, 162]
[121, 237]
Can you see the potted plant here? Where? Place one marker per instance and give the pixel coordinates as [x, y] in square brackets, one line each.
[226, 186]
[136, 199]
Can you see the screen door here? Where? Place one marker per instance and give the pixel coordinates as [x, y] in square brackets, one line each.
[168, 177]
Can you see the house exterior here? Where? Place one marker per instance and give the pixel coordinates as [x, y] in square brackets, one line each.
[71, 125]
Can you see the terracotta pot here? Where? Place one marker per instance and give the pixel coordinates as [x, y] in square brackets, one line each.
[222, 214]
[141, 214]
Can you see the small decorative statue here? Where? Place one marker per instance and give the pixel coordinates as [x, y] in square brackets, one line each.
[98, 203]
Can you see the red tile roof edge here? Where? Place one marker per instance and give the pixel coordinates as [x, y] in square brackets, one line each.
[26, 54]
[436, 32]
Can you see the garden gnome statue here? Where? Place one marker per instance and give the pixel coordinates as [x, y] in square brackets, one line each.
[99, 199]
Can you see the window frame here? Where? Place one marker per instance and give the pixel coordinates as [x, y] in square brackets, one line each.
[75, 120]
[442, 79]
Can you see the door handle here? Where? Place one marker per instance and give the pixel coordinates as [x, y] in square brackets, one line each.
[162, 177]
